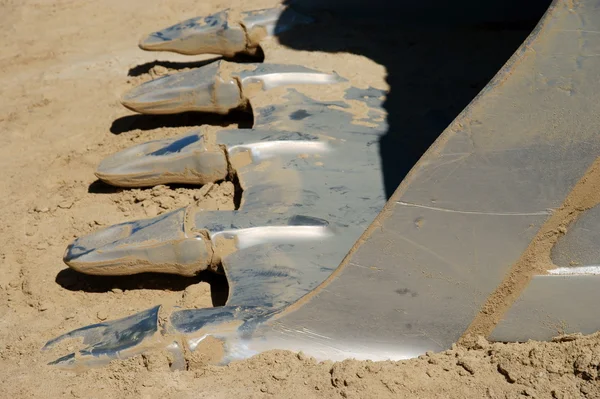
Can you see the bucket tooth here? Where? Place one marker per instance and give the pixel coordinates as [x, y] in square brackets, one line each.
[218, 87]
[223, 33]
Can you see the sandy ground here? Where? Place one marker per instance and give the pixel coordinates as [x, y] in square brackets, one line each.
[63, 66]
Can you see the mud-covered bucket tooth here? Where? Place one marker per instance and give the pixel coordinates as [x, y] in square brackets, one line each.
[175, 330]
[187, 160]
[202, 89]
[110, 340]
[161, 244]
[223, 33]
[212, 34]
[191, 160]
[218, 87]
[187, 241]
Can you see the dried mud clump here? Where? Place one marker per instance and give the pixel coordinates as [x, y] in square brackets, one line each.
[161, 199]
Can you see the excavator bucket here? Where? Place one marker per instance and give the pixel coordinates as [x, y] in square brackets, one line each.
[493, 232]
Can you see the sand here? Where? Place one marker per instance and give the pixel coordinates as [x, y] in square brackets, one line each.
[63, 66]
